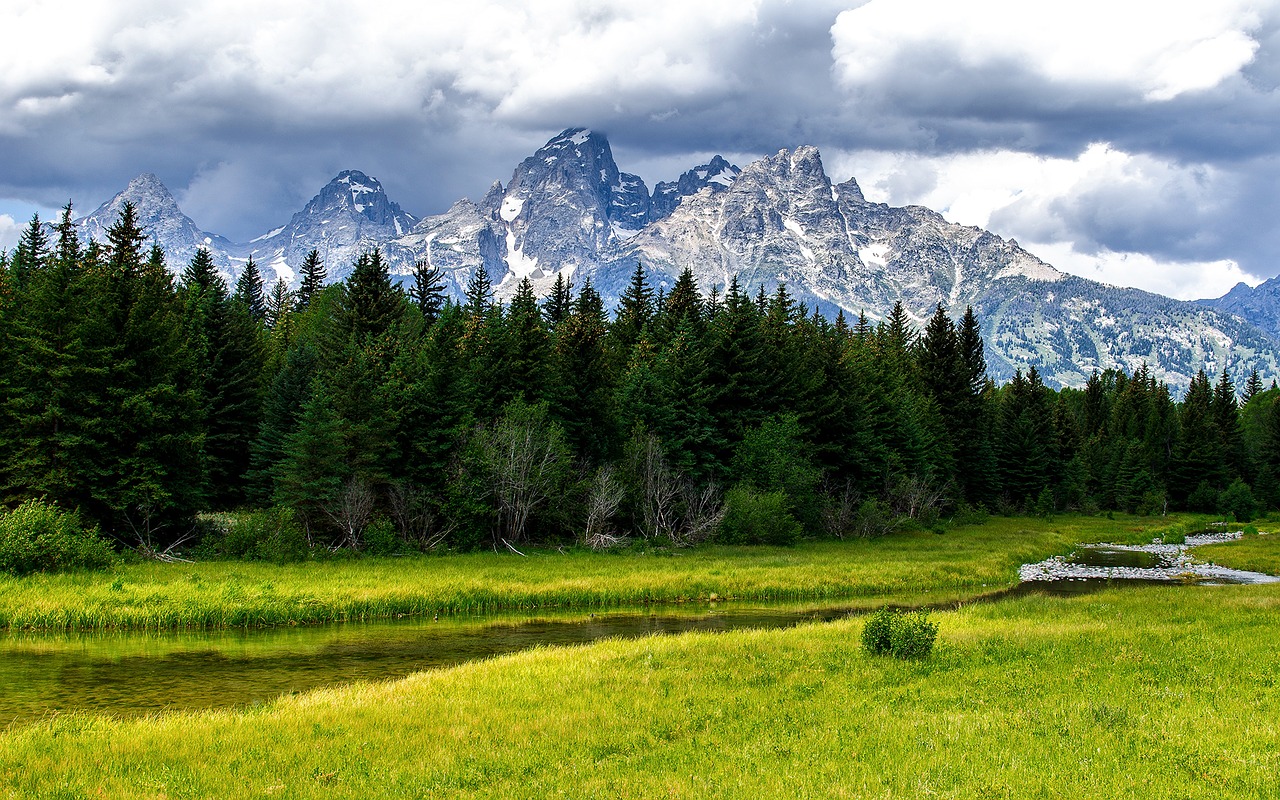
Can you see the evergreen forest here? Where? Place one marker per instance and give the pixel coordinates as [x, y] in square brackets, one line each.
[371, 417]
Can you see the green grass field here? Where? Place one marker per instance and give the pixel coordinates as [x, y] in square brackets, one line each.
[1143, 692]
[1253, 553]
[234, 594]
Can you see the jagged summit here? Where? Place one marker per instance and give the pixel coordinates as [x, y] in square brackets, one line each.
[716, 175]
[162, 220]
[351, 214]
[568, 210]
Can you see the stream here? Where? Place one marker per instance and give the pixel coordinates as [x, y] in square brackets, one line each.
[130, 673]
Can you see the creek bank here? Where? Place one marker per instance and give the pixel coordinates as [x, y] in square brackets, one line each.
[1170, 563]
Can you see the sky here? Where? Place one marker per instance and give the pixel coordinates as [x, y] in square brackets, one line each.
[1131, 141]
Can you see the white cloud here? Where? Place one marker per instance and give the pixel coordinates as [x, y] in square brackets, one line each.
[1105, 214]
[10, 232]
[1183, 280]
[1156, 49]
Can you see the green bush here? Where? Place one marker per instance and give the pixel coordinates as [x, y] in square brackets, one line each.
[907, 635]
[1250, 530]
[1238, 499]
[380, 538]
[877, 633]
[757, 518]
[1204, 498]
[271, 534]
[38, 536]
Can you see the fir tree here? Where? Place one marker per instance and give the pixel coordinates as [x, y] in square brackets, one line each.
[635, 309]
[479, 293]
[313, 278]
[559, 304]
[279, 305]
[371, 306]
[1252, 386]
[251, 292]
[428, 291]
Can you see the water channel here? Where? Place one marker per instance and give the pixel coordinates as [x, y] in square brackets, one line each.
[128, 673]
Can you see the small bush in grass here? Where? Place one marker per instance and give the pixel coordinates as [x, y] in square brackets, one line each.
[905, 635]
[1250, 530]
[38, 536]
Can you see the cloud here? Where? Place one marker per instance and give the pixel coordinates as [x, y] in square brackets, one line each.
[10, 232]
[1184, 280]
[1134, 127]
[1151, 50]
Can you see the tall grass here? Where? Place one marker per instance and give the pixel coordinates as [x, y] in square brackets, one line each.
[238, 594]
[1134, 693]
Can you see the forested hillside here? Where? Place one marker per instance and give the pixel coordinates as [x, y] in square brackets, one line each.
[360, 411]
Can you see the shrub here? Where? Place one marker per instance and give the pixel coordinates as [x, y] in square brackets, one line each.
[380, 538]
[905, 635]
[757, 518]
[1204, 498]
[876, 634]
[1250, 530]
[1238, 499]
[271, 534]
[38, 536]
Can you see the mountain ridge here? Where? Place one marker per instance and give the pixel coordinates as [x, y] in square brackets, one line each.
[569, 211]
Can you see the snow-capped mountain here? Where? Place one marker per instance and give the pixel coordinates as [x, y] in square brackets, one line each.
[564, 208]
[569, 210]
[716, 175]
[782, 221]
[164, 223]
[349, 216]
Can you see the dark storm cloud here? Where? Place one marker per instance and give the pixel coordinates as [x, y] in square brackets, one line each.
[245, 110]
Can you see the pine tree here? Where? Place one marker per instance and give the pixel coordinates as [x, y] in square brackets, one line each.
[310, 475]
[313, 278]
[559, 304]
[32, 250]
[371, 306]
[428, 291]
[635, 309]
[684, 304]
[1253, 386]
[526, 346]
[479, 293]
[279, 305]
[250, 291]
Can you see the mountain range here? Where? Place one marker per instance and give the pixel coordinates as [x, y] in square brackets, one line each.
[568, 210]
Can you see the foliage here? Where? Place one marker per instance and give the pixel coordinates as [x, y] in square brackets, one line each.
[1237, 500]
[37, 536]
[753, 517]
[907, 635]
[273, 534]
[141, 402]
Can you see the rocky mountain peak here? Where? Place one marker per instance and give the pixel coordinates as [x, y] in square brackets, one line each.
[163, 222]
[717, 175]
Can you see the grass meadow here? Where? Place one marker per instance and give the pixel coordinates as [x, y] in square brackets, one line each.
[153, 595]
[1141, 691]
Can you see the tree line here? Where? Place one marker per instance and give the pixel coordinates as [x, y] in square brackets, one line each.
[360, 407]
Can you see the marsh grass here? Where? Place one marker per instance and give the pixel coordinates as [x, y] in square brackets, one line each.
[215, 594]
[1253, 553]
[1142, 692]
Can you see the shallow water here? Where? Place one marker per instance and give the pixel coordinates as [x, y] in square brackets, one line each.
[132, 673]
